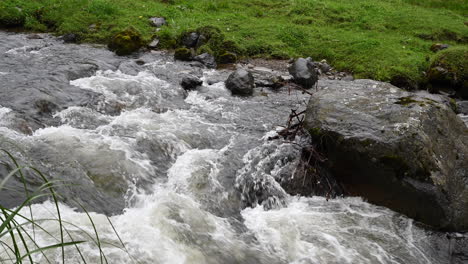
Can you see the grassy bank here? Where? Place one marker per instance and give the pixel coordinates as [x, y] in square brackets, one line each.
[380, 39]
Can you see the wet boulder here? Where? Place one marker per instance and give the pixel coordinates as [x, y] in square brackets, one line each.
[406, 151]
[303, 72]
[126, 42]
[240, 82]
[206, 59]
[190, 82]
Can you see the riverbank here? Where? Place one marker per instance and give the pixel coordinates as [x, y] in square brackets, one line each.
[386, 40]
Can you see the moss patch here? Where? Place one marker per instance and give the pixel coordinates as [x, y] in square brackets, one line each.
[450, 67]
[126, 42]
[183, 54]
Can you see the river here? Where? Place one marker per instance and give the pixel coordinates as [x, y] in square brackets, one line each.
[176, 170]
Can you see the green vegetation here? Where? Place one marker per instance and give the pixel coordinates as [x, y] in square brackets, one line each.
[381, 39]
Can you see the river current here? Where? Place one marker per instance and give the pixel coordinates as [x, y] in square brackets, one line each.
[175, 171]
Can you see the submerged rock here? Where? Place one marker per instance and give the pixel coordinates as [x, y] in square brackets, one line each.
[126, 42]
[240, 82]
[190, 82]
[303, 73]
[402, 150]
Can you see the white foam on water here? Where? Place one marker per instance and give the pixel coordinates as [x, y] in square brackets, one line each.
[142, 89]
[25, 50]
[172, 223]
[4, 111]
[313, 230]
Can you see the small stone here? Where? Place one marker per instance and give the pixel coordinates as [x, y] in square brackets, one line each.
[157, 21]
[438, 47]
[153, 44]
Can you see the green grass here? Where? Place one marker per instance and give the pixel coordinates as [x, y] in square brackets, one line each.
[380, 39]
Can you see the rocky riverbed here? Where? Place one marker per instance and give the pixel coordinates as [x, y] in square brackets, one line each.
[186, 176]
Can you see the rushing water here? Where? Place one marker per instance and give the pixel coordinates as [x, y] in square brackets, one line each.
[176, 169]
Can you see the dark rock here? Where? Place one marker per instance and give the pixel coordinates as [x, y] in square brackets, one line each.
[45, 107]
[202, 40]
[126, 42]
[303, 73]
[206, 59]
[240, 82]
[324, 67]
[227, 57]
[157, 21]
[462, 107]
[190, 40]
[438, 47]
[153, 44]
[70, 38]
[402, 150]
[183, 54]
[190, 82]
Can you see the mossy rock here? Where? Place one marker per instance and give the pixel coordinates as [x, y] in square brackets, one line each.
[11, 16]
[126, 42]
[183, 54]
[449, 68]
[204, 49]
[227, 57]
[166, 39]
